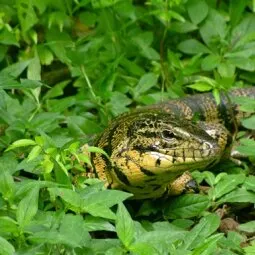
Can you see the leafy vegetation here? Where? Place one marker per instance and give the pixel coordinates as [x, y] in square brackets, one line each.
[67, 68]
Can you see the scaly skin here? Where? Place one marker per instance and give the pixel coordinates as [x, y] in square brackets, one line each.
[151, 147]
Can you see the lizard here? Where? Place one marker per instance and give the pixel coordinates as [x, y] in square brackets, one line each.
[153, 148]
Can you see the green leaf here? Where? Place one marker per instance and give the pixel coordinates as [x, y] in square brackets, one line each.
[45, 55]
[213, 28]
[15, 70]
[21, 143]
[249, 183]
[197, 10]
[8, 226]
[28, 207]
[201, 86]
[209, 246]
[147, 81]
[34, 69]
[6, 247]
[97, 224]
[103, 3]
[124, 225]
[26, 15]
[34, 153]
[144, 249]
[186, 206]
[7, 185]
[119, 102]
[248, 227]
[246, 147]
[238, 196]
[210, 62]
[236, 9]
[250, 250]
[193, 46]
[249, 123]
[74, 231]
[227, 184]
[206, 226]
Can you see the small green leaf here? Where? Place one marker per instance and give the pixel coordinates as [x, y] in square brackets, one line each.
[197, 10]
[7, 185]
[21, 143]
[248, 227]
[249, 123]
[249, 183]
[206, 226]
[124, 225]
[186, 206]
[227, 184]
[144, 249]
[210, 62]
[147, 81]
[8, 225]
[201, 86]
[193, 46]
[6, 247]
[239, 195]
[34, 153]
[28, 207]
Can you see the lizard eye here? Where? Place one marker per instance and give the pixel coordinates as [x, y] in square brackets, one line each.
[166, 134]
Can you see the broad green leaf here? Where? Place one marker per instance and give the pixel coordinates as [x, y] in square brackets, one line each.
[26, 15]
[8, 226]
[56, 90]
[6, 247]
[106, 197]
[96, 150]
[15, 70]
[250, 250]
[186, 206]
[209, 246]
[118, 103]
[214, 27]
[147, 81]
[34, 69]
[144, 249]
[197, 10]
[206, 226]
[236, 9]
[210, 62]
[249, 123]
[227, 184]
[74, 231]
[103, 3]
[246, 147]
[193, 46]
[21, 143]
[183, 27]
[239, 195]
[96, 224]
[7, 185]
[45, 55]
[201, 86]
[28, 206]
[124, 225]
[247, 227]
[8, 37]
[226, 69]
[249, 183]
[34, 153]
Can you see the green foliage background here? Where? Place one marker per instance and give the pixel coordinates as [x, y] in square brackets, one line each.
[68, 67]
